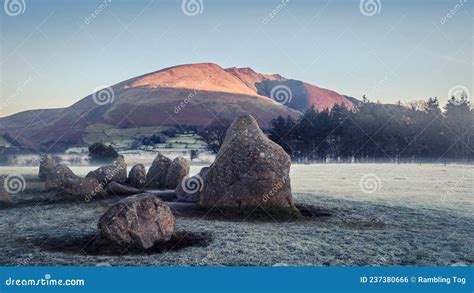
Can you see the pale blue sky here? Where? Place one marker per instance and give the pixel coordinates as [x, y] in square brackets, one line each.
[52, 57]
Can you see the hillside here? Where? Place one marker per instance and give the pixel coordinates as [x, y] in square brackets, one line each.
[193, 94]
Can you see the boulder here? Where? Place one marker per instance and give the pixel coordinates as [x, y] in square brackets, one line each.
[249, 171]
[156, 176]
[115, 188]
[55, 181]
[5, 199]
[189, 190]
[178, 169]
[46, 166]
[116, 172]
[85, 189]
[138, 221]
[137, 176]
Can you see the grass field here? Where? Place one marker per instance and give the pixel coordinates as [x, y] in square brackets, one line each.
[418, 215]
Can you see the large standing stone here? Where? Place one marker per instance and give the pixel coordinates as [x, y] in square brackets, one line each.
[55, 181]
[46, 166]
[249, 171]
[137, 176]
[115, 188]
[156, 176]
[85, 189]
[116, 172]
[138, 221]
[5, 199]
[189, 190]
[178, 169]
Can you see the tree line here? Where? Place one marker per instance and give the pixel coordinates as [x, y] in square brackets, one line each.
[371, 131]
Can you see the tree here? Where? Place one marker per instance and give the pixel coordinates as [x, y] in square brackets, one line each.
[374, 131]
[459, 124]
[282, 132]
[100, 153]
[214, 134]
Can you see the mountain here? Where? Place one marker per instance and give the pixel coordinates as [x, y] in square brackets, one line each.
[193, 94]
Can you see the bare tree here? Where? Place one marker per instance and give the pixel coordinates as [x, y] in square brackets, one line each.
[214, 134]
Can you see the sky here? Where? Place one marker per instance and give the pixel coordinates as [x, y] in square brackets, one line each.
[55, 52]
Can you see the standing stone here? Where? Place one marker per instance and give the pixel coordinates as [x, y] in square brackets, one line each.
[84, 189]
[249, 171]
[178, 169]
[138, 221]
[137, 176]
[55, 181]
[5, 199]
[115, 188]
[156, 176]
[116, 172]
[189, 190]
[46, 166]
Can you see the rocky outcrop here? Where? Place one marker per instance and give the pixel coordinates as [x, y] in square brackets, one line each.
[156, 176]
[116, 172]
[115, 188]
[178, 169]
[137, 176]
[138, 221]
[46, 166]
[189, 190]
[5, 199]
[249, 171]
[56, 180]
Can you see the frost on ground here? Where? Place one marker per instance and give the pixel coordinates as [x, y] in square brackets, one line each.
[420, 215]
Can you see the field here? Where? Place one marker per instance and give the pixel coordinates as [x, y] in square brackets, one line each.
[355, 214]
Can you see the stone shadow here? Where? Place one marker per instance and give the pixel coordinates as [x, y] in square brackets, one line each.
[93, 244]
